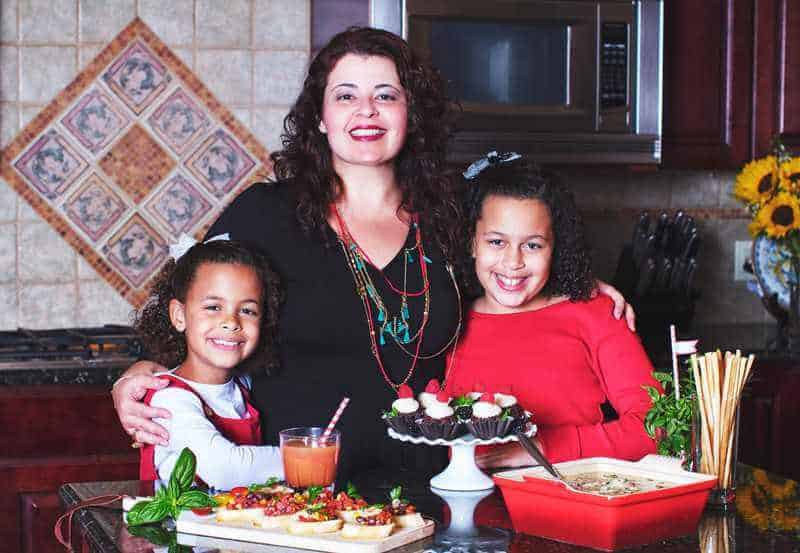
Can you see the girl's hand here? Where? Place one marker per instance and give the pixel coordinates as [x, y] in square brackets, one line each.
[134, 415]
[620, 305]
[510, 455]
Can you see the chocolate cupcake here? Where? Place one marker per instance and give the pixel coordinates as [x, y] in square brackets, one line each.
[509, 402]
[489, 420]
[402, 417]
[439, 422]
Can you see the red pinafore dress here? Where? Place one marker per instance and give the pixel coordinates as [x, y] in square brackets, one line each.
[240, 431]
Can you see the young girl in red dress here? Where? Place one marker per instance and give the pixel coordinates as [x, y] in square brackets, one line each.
[212, 311]
[536, 329]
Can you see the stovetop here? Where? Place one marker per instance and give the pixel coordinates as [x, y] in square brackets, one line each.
[108, 345]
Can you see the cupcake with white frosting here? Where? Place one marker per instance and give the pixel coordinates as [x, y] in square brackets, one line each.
[404, 413]
[509, 402]
[489, 420]
[439, 421]
[428, 397]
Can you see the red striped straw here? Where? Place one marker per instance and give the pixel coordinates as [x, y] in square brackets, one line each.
[335, 419]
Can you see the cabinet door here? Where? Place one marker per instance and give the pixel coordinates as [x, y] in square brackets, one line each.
[39, 511]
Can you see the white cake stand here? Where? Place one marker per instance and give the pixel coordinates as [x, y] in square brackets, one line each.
[462, 474]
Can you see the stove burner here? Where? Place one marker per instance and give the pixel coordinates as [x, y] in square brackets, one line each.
[69, 344]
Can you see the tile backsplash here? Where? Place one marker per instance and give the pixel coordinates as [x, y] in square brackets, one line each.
[263, 46]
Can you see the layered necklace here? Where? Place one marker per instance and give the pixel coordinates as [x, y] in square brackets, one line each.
[383, 325]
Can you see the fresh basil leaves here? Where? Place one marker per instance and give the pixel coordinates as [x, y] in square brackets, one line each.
[176, 497]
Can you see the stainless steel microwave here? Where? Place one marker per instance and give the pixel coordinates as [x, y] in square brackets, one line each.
[565, 81]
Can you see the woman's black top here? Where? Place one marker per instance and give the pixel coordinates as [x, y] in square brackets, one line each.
[324, 339]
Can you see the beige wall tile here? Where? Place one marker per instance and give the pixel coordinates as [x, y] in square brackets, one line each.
[48, 20]
[282, 24]
[103, 20]
[99, 304]
[47, 305]
[223, 23]
[228, 73]
[8, 313]
[646, 190]
[279, 76]
[186, 55]
[45, 71]
[27, 114]
[88, 53]
[9, 122]
[9, 81]
[694, 189]
[44, 255]
[727, 179]
[268, 126]
[27, 213]
[8, 21]
[86, 271]
[172, 21]
[8, 253]
[8, 202]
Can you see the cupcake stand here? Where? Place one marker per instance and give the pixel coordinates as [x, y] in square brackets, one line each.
[462, 485]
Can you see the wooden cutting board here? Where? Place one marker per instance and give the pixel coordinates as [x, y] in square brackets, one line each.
[189, 523]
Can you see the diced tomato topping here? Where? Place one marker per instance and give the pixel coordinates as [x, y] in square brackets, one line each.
[202, 511]
[239, 490]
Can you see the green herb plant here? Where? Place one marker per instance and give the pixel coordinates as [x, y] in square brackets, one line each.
[669, 421]
[176, 497]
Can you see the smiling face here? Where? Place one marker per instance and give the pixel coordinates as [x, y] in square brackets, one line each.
[513, 250]
[221, 320]
[364, 112]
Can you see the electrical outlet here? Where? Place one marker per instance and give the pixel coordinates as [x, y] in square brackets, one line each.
[741, 253]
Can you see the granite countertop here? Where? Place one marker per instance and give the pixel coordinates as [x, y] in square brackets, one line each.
[766, 519]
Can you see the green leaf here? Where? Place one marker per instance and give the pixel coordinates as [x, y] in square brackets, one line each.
[352, 491]
[395, 492]
[154, 533]
[146, 512]
[462, 400]
[182, 473]
[313, 492]
[195, 499]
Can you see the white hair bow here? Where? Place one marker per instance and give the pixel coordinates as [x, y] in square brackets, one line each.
[492, 158]
[185, 242]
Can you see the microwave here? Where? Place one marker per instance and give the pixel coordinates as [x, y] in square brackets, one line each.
[564, 81]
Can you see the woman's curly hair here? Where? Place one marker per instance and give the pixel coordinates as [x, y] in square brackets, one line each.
[571, 267]
[165, 344]
[420, 167]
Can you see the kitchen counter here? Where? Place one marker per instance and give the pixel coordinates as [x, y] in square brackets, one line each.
[767, 519]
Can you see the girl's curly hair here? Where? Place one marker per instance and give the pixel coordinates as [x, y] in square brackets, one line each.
[165, 344]
[571, 267]
[427, 187]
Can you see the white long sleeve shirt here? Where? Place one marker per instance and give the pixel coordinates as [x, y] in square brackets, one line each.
[220, 463]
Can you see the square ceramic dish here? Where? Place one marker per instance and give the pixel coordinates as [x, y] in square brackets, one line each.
[542, 506]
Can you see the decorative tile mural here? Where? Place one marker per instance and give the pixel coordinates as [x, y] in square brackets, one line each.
[132, 153]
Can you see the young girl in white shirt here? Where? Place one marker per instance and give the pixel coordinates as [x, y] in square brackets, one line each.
[211, 308]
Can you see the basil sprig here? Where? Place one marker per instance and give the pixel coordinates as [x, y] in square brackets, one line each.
[176, 497]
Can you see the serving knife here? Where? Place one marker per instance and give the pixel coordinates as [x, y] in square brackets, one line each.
[530, 446]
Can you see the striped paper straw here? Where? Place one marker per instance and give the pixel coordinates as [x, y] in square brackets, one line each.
[335, 419]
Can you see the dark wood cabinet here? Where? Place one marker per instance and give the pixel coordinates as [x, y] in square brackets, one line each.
[51, 435]
[731, 80]
[770, 417]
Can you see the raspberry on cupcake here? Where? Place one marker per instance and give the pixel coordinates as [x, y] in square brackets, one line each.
[427, 397]
[404, 412]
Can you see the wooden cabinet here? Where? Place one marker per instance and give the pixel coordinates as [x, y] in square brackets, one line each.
[51, 435]
[770, 418]
[731, 80]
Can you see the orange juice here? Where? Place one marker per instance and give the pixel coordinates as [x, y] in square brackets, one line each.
[306, 465]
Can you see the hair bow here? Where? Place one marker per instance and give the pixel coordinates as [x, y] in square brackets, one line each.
[185, 242]
[492, 158]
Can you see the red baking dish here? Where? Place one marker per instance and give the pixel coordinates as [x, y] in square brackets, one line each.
[541, 506]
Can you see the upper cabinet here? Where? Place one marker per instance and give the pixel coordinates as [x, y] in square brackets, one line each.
[731, 80]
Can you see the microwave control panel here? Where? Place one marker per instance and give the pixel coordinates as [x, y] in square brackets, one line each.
[613, 65]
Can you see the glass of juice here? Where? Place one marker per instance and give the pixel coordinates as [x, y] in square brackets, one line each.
[308, 460]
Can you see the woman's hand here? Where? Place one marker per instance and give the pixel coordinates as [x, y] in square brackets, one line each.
[620, 305]
[510, 455]
[134, 415]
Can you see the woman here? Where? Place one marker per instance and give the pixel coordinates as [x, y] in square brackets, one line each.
[359, 226]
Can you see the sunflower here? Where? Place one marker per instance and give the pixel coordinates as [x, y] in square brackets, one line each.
[790, 175]
[777, 217]
[757, 181]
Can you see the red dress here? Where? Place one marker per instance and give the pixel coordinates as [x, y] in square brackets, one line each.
[245, 431]
[562, 362]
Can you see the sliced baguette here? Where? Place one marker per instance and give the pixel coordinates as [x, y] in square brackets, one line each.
[250, 516]
[275, 521]
[348, 516]
[300, 528]
[411, 520]
[365, 532]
